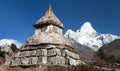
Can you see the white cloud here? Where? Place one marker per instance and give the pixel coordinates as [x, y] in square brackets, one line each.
[3, 42]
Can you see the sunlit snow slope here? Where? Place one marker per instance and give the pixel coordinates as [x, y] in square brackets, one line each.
[89, 37]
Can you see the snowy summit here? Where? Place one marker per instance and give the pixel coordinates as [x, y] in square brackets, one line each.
[88, 36]
[87, 27]
[4, 42]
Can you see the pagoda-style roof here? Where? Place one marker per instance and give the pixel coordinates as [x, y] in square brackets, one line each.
[49, 18]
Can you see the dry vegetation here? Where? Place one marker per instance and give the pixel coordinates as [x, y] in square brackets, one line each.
[50, 68]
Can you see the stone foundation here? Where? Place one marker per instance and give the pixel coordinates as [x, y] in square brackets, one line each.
[47, 55]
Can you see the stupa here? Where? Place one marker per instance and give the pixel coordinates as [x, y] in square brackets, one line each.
[46, 46]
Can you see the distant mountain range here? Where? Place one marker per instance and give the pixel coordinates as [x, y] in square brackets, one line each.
[87, 38]
[84, 39]
[4, 42]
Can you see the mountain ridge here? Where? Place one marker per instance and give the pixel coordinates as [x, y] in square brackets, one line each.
[88, 36]
[4, 42]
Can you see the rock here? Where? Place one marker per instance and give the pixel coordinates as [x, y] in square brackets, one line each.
[72, 54]
[56, 60]
[44, 61]
[51, 52]
[16, 62]
[33, 53]
[58, 51]
[73, 62]
[40, 60]
[40, 52]
[26, 61]
[34, 60]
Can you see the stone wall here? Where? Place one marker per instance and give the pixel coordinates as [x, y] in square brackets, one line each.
[53, 55]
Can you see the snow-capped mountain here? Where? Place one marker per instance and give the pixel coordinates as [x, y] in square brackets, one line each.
[88, 36]
[4, 42]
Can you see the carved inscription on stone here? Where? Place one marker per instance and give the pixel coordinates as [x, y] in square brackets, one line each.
[16, 62]
[51, 52]
[72, 54]
[25, 61]
[56, 60]
[34, 60]
[33, 53]
[40, 58]
[40, 52]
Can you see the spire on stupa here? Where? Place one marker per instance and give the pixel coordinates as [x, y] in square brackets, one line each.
[47, 46]
[49, 18]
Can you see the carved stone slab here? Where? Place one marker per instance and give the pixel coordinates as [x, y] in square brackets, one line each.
[44, 60]
[72, 54]
[25, 61]
[58, 52]
[17, 54]
[51, 52]
[39, 52]
[16, 62]
[40, 58]
[34, 60]
[56, 60]
[73, 62]
[33, 53]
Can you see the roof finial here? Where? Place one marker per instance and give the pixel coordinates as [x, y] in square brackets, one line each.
[50, 7]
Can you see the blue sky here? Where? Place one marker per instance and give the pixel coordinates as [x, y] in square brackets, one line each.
[18, 16]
